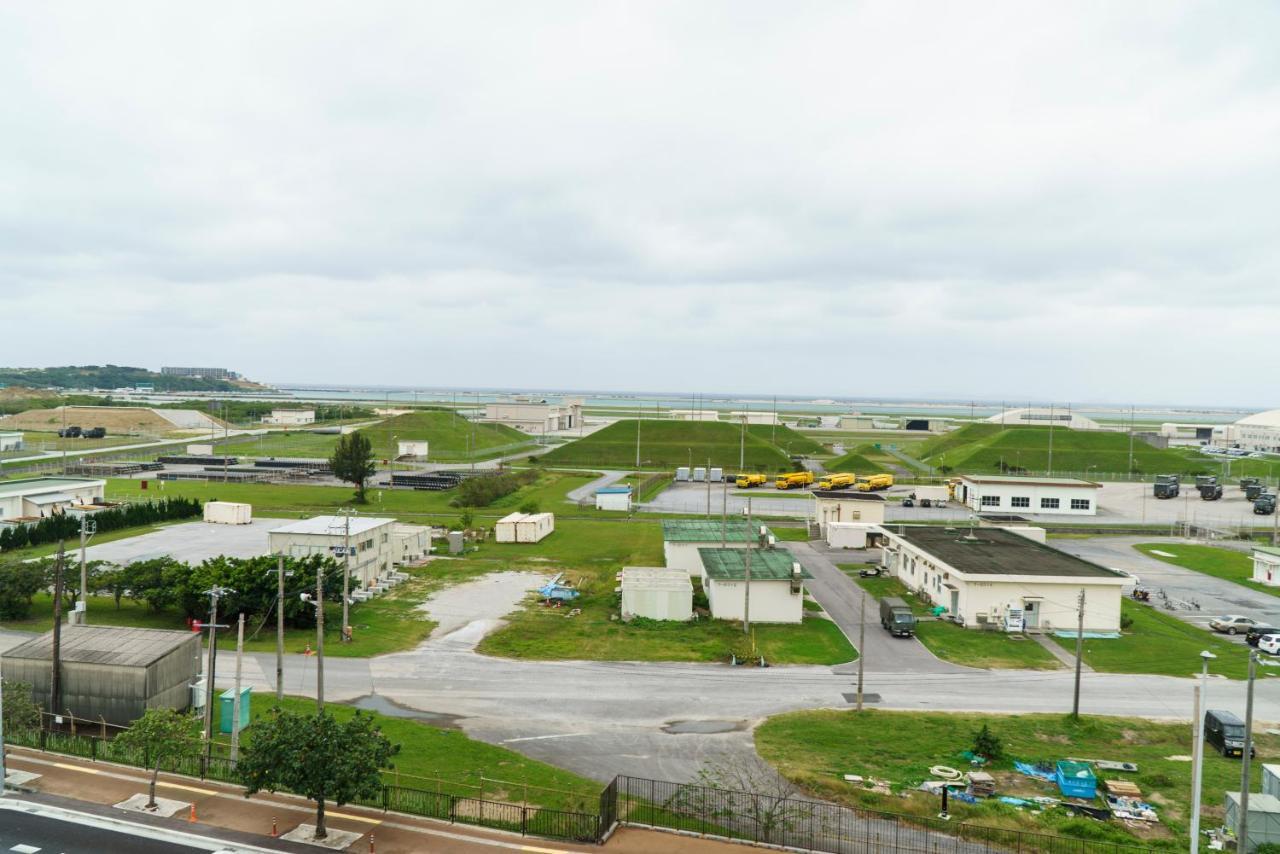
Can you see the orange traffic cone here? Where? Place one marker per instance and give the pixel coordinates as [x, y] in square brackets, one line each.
[192, 817]
[274, 833]
[371, 842]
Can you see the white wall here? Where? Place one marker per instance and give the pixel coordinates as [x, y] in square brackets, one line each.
[828, 510]
[685, 555]
[371, 560]
[613, 501]
[657, 604]
[848, 535]
[1004, 493]
[1266, 569]
[771, 601]
[10, 441]
[228, 513]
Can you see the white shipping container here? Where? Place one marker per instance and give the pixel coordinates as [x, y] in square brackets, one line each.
[504, 531]
[200, 450]
[699, 474]
[717, 475]
[228, 513]
[534, 527]
[682, 474]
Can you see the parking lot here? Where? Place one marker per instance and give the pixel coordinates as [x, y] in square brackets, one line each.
[190, 542]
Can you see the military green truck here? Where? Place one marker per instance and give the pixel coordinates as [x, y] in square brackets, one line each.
[1265, 504]
[896, 617]
[1167, 486]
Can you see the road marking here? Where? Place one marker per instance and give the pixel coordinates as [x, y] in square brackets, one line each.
[195, 789]
[329, 814]
[76, 768]
[541, 737]
[24, 849]
[543, 850]
[1162, 554]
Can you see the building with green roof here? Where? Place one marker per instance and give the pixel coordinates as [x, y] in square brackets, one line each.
[682, 538]
[777, 584]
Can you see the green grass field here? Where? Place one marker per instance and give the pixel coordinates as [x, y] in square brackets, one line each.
[1159, 643]
[1226, 564]
[815, 749]
[990, 448]
[970, 647]
[591, 553]
[854, 462]
[669, 444]
[282, 443]
[451, 436]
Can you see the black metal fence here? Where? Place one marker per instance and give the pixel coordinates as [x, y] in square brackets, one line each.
[819, 826]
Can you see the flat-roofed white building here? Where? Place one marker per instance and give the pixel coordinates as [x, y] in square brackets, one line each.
[994, 577]
[613, 498]
[10, 441]
[765, 417]
[839, 505]
[682, 539]
[415, 448]
[694, 414]
[777, 584]
[1260, 432]
[370, 538]
[290, 417]
[1003, 494]
[657, 593]
[409, 543]
[36, 497]
[534, 416]
[524, 527]
[1266, 565]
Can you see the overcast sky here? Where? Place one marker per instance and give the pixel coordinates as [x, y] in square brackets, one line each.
[1065, 201]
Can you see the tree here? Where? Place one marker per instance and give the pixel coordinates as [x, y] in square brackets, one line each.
[159, 733]
[987, 744]
[20, 709]
[19, 583]
[316, 757]
[352, 461]
[741, 790]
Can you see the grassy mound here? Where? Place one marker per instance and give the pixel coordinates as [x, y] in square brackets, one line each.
[854, 462]
[668, 444]
[450, 435]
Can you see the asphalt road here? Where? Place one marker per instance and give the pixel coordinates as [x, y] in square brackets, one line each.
[29, 834]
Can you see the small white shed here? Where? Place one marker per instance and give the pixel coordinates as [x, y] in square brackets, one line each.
[524, 527]
[1264, 818]
[412, 448]
[849, 535]
[204, 450]
[228, 513]
[1266, 565]
[657, 593]
[613, 498]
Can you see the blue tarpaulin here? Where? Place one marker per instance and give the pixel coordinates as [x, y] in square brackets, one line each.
[1032, 771]
[1088, 635]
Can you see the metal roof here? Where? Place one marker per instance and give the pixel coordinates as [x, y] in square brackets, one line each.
[766, 564]
[705, 530]
[995, 551]
[334, 526]
[1030, 481]
[115, 645]
[37, 485]
[613, 490]
[655, 578]
[849, 494]
[1267, 550]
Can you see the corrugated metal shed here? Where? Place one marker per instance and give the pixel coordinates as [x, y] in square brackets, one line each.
[705, 531]
[766, 564]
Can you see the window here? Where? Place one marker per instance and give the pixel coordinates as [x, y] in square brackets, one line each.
[1080, 504]
[1020, 501]
[1049, 503]
[991, 501]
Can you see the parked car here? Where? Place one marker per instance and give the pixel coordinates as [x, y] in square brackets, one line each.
[1231, 624]
[1225, 731]
[1256, 632]
[1270, 644]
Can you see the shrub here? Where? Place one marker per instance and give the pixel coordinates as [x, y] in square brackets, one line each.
[987, 743]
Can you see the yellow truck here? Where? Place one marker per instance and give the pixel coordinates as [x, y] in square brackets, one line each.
[749, 481]
[793, 480]
[837, 481]
[869, 482]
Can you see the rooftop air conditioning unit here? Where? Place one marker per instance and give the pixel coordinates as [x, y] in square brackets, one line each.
[797, 578]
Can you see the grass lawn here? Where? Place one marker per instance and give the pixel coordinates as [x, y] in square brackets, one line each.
[970, 647]
[451, 436]
[815, 748]
[669, 444]
[282, 443]
[790, 535]
[854, 461]
[432, 757]
[1158, 643]
[1227, 564]
[591, 553]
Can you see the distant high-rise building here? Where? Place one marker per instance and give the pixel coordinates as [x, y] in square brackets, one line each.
[202, 373]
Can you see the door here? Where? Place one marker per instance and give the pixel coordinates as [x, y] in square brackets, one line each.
[955, 602]
[1031, 614]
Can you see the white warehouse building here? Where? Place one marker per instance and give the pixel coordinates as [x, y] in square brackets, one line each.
[372, 551]
[290, 417]
[1260, 432]
[11, 441]
[657, 593]
[994, 578]
[1056, 495]
[36, 497]
[536, 417]
[777, 585]
[695, 414]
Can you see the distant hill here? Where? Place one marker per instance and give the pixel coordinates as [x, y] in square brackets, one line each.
[108, 377]
[450, 435]
[670, 444]
[992, 448]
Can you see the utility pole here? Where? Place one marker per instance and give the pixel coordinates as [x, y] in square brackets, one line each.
[724, 517]
[320, 639]
[708, 487]
[746, 596]
[1130, 472]
[1197, 752]
[3, 771]
[346, 577]
[637, 442]
[87, 529]
[214, 593]
[1075, 704]
[55, 681]
[235, 700]
[1242, 838]
[280, 628]
[1050, 473]
[862, 636]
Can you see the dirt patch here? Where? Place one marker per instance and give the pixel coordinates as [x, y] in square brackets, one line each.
[467, 612]
[1052, 739]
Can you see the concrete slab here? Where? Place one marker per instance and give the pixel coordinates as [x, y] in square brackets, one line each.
[336, 840]
[483, 601]
[165, 807]
[191, 542]
[20, 778]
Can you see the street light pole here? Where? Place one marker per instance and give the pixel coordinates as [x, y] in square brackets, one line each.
[1197, 753]
[279, 628]
[1242, 835]
[746, 598]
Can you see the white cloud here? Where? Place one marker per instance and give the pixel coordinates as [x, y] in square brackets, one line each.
[1009, 199]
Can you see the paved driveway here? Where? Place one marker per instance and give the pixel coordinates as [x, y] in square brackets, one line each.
[191, 542]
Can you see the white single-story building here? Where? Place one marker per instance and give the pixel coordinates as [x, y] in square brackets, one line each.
[200, 450]
[613, 498]
[1266, 565]
[1057, 495]
[1260, 432]
[777, 584]
[409, 543]
[694, 414]
[228, 513]
[764, 417]
[524, 527]
[840, 505]
[682, 539]
[850, 535]
[36, 497]
[370, 537]
[416, 448]
[1038, 416]
[990, 577]
[866, 422]
[290, 417]
[928, 423]
[10, 441]
[535, 416]
[657, 593]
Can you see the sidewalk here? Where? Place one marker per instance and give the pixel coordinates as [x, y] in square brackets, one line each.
[223, 811]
